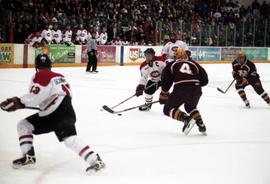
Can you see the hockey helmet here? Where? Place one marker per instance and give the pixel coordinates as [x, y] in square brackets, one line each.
[150, 51]
[241, 57]
[180, 53]
[43, 61]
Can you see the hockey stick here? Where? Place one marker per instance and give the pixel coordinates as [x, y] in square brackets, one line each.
[127, 98]
[33, 108]
[119, 103]
[220, 90]
[106, 108]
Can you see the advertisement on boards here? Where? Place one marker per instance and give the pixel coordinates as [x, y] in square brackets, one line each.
[208, 54]
[256, 53]
[105, 54]
[229, 53]
[59, 53]
[6, 53]
[135, 54]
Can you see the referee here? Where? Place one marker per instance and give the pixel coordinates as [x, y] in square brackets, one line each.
[92, 54]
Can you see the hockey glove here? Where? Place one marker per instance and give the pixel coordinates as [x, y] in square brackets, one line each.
[12, 104]
[139, 90]
[163, 97]
[241, 82]
[242, 73]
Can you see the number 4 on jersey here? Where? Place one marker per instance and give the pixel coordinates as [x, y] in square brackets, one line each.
[186, 69]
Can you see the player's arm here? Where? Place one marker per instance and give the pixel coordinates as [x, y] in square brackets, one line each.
[203, 77]
[166, 83]
[253, 70]
[166, 78]
[37, 94]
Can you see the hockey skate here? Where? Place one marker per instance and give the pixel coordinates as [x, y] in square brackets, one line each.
[202, 127]
[247, 104]
[27, 161]
[189, 122]
[96, 166]
[146, 107]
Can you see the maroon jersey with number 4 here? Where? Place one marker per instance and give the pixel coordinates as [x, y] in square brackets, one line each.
[183, 73]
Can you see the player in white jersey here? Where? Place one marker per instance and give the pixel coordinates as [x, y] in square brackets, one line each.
[34, 39]
[46, 35]
[50, 92]
[172, 45]
[151, 70]
[81, 35]
[67, 36]
[103, 37]
[56, 35]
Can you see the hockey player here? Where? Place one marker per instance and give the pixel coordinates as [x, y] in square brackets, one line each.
[51, 93]
[56, 35]
[81, 36]
[245, 73]
[46, 35]
[188, 78]
[103, 37]
[151, 68]
[34, 39]
[171, 46]
[67, 36]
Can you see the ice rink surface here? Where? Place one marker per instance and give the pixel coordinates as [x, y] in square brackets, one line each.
[144, 147]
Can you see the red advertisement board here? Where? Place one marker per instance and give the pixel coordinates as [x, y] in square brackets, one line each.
[105, 54]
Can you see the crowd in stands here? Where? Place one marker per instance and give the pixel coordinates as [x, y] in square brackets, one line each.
[131, 21]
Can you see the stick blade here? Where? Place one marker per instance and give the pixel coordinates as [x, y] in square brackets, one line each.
[108, 109]
[220, 90]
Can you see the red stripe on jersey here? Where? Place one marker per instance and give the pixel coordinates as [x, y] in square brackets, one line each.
[143, 64]
[160, 58]
[26, 136]
[51, 103]
[83, 150]
[43, 77]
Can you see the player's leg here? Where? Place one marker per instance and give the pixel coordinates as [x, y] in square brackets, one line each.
[257, 86]
[25, 133]
[171, 109]
[65, 130]
[191, 108]
[85, 152]
[240, 89]
[26, 128]
[195, 114]
[151, 88]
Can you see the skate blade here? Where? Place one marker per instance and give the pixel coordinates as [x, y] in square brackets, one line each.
[191, 125]
[204, 133]
[26, 167]
[94, 171]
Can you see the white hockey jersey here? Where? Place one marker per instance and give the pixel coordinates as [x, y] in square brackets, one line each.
[171, 47]
[67, 36]
[34, 39]
[152, 72]
[47, 35]
[47, 91]
[103, 37]
[82, 35]
[57, 35]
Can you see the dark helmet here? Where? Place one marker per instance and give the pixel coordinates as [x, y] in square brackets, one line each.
[150, 51]
[43, 61]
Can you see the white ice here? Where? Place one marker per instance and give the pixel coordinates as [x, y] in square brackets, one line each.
[144, 147]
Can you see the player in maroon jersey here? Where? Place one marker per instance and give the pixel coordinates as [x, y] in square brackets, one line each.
[245, 73]
[188, 78]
